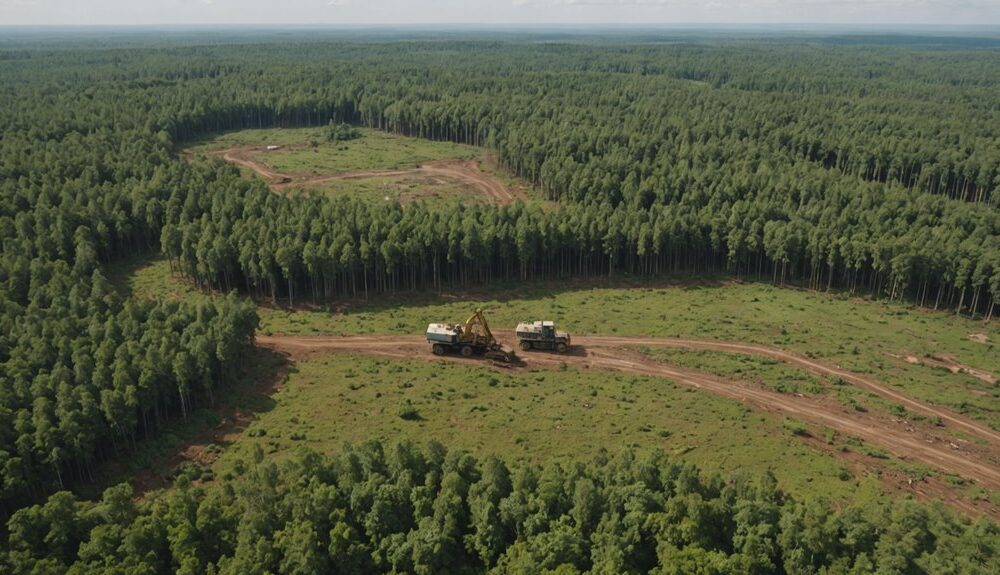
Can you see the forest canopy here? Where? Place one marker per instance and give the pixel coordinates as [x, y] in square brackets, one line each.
[405, 509]
[871, 168]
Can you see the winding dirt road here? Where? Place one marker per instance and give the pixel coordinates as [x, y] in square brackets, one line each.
[466, 172]
[978, 461]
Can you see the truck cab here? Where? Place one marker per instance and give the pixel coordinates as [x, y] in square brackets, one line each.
[541, 335]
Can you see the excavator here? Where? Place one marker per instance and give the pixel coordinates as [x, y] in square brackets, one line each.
[472, 337]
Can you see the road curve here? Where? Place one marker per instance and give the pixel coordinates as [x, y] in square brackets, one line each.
[465, 171]
[975, 462]
[885, 391]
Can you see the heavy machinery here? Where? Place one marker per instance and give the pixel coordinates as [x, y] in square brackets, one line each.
[541, 335]
[473, 336]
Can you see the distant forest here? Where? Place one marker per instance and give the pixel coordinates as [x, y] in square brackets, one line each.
[871, 169]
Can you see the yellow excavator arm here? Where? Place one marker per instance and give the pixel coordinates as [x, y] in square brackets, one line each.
[473, 336]
[476, 328]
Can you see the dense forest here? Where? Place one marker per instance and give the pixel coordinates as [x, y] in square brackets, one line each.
[856, 168]
[862, 168]
[402, 509]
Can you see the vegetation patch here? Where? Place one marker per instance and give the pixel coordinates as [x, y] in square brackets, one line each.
[344, 160]
[533, 417]
[310, 150]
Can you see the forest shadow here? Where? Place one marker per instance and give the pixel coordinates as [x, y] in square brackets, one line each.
[120, 272]
[190, 446]
[500, 292]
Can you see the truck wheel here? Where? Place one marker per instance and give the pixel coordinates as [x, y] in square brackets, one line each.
[438, 349]
[561, 347]
[466, 350]
[525, 346]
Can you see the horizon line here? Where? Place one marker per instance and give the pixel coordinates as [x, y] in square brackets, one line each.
[383, 25]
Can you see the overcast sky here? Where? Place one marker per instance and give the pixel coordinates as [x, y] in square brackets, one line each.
[92, 12]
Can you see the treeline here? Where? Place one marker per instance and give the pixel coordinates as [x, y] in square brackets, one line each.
[879, 181]
[239, 235]
[867, 168]
[85, 373]
[884, 114]
[84, 376]
[402, 509]
[922, 118]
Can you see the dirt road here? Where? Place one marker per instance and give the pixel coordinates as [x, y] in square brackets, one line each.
[958, 421]
[466, 172]
[924, 443]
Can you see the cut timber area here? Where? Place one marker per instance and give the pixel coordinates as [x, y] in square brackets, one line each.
[465, 172]
[932, 445]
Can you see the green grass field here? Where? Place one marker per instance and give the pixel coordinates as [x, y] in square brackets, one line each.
[564, 414]
[305, 152]
[856, 334]
[533, 416]
[402, 188]
[374, 150]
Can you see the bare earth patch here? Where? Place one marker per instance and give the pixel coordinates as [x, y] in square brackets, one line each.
[467, 173]
[948, 362]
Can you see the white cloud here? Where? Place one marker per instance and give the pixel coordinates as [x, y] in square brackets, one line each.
[498, 12]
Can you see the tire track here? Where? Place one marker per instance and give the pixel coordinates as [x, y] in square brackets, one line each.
[812, 366]
[464, 171]
[977, 463]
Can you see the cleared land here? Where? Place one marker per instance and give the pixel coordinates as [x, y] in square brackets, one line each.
[905, 439]
[863, 337]
[860, 336]
[377, 165]
[818, 396]
[535, 415]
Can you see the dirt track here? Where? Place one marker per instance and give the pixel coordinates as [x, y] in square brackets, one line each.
[464, 171]
[979, 461]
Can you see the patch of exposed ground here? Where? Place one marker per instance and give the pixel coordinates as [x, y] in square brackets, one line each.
[467, 173]
[234, 420]
[948, 362]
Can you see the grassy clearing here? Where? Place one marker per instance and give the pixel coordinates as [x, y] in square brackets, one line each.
[402, 188]
[149, 277]
[766, 372]
[778, 376]
[564, 414]
[856, 334]
[307, 151]
[533, 416]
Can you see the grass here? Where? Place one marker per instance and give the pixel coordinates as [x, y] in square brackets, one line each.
[149, 277]
[533, 416]
[772, 374]
[855, 333]
[401, 188]
[374, 150]
[306, 152]
[574, 413]
[766, 372]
